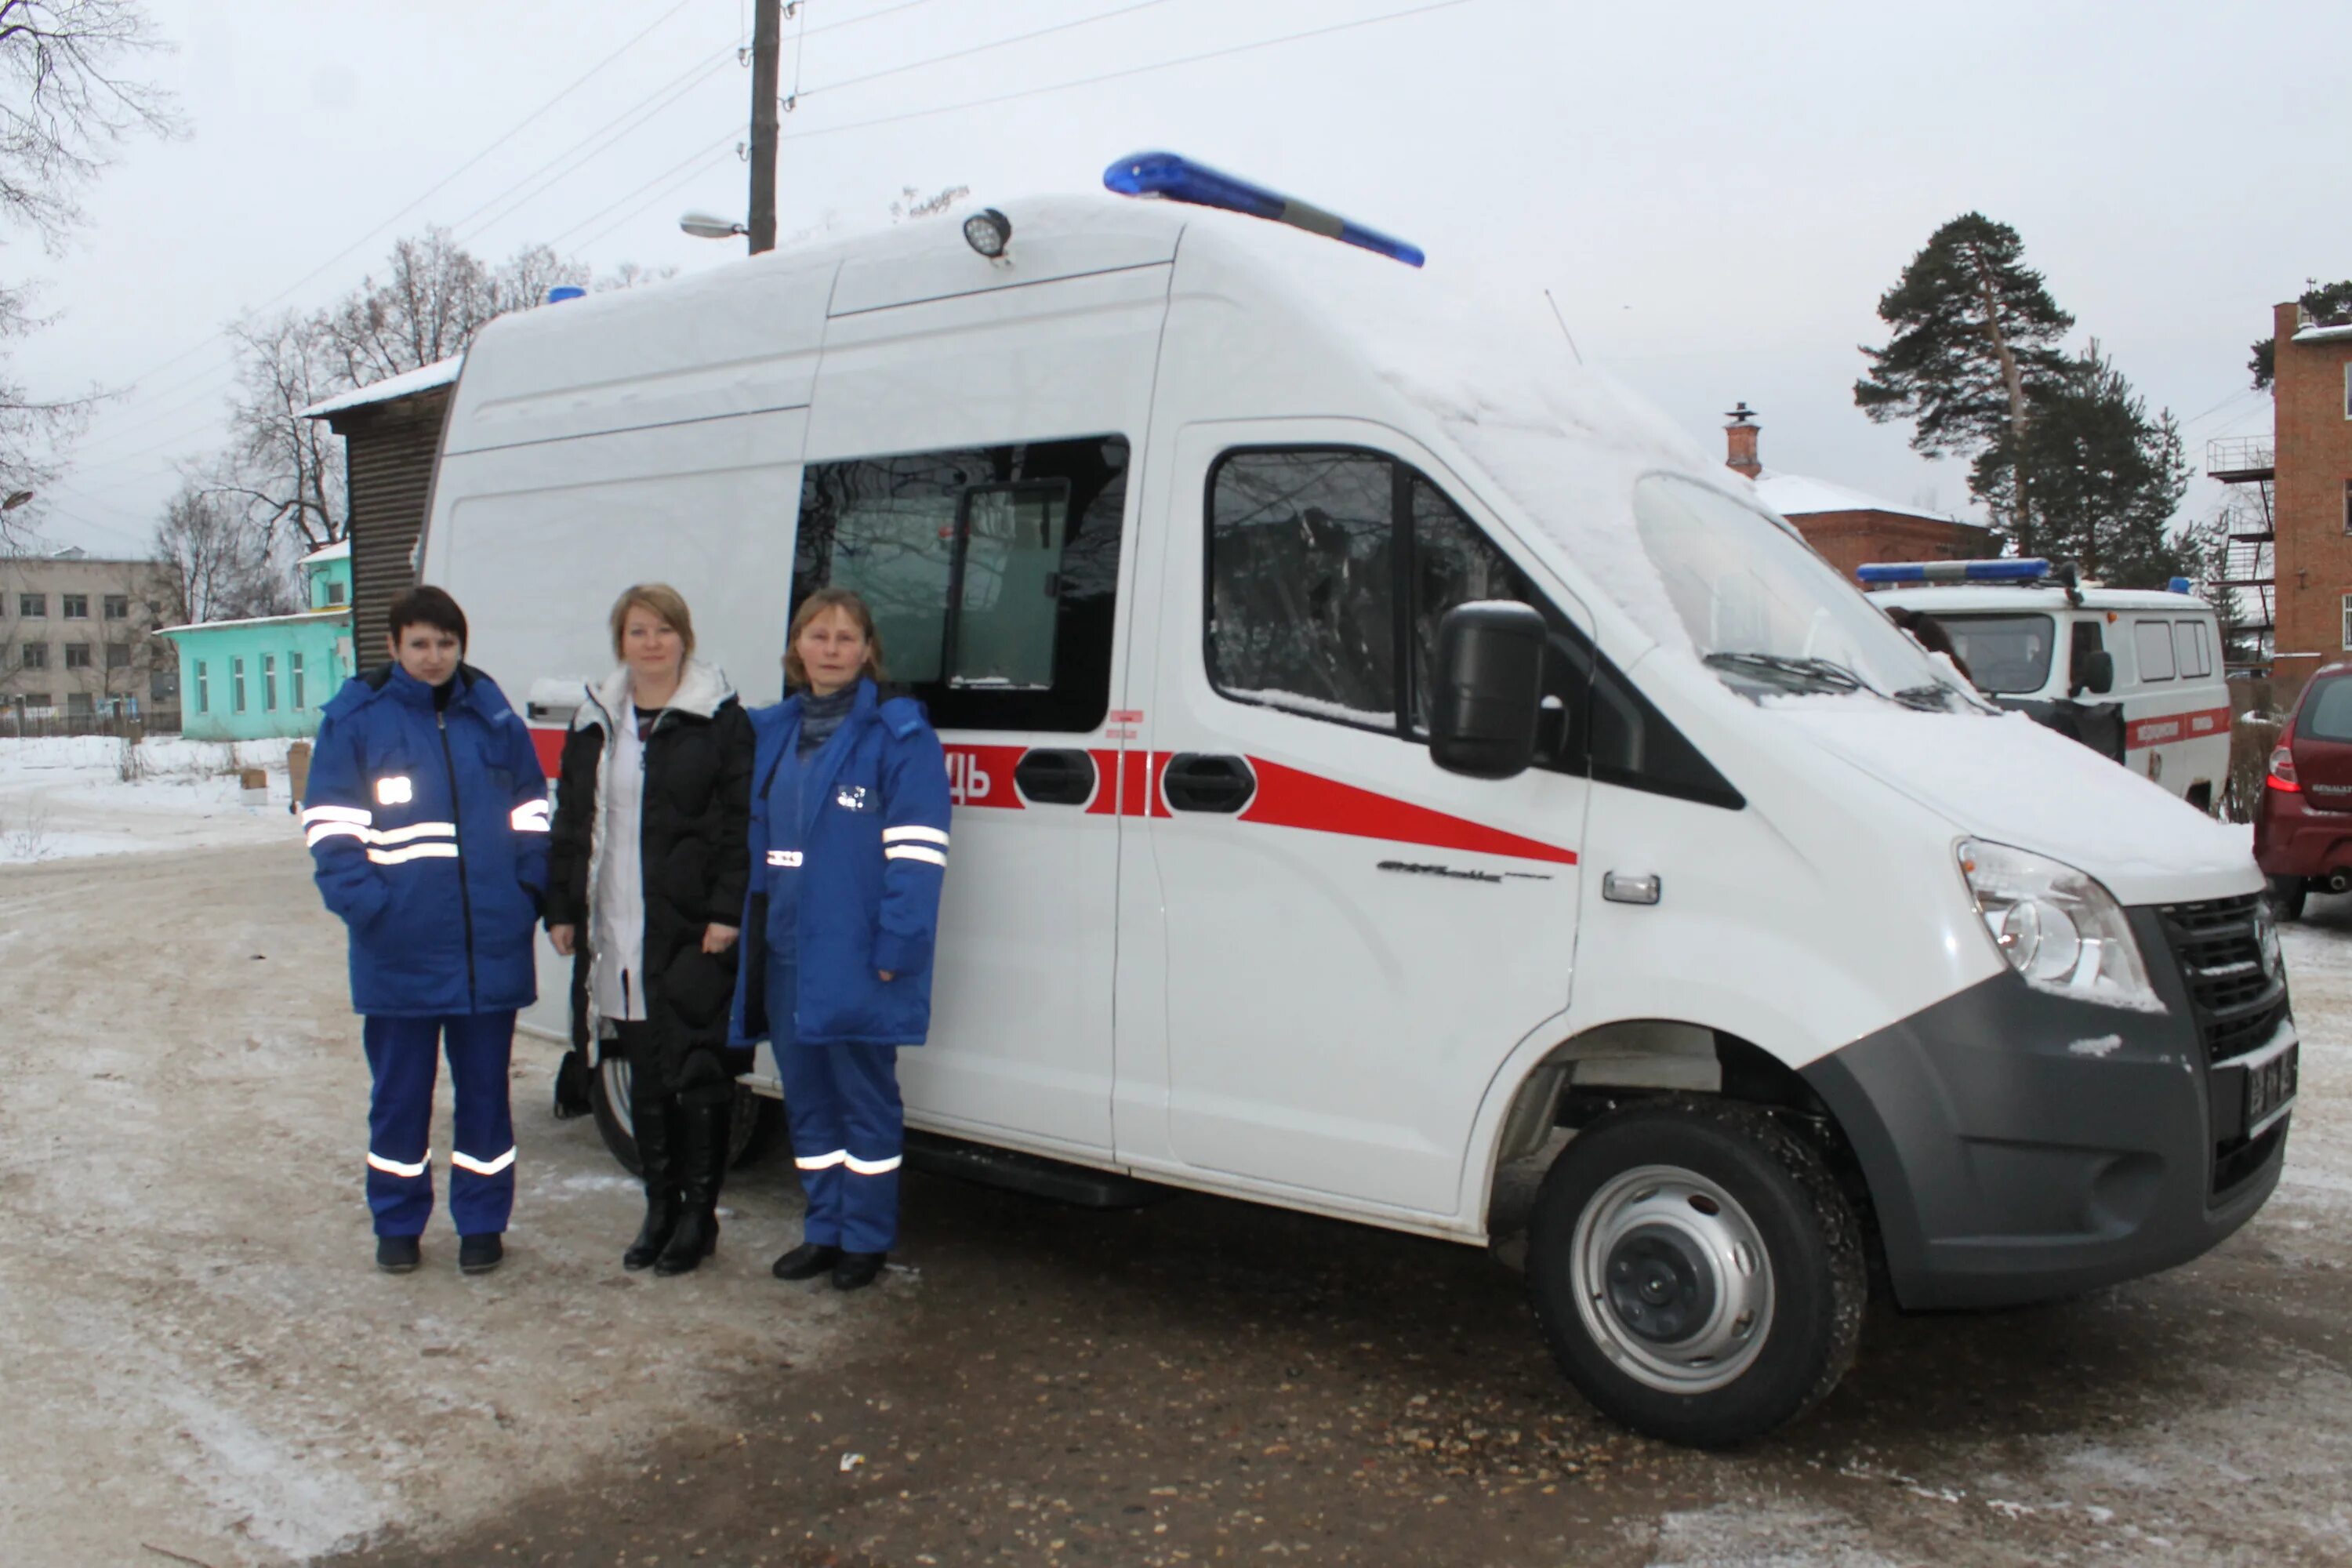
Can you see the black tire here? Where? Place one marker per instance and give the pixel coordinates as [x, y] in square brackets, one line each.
[2287, 894]
[1690, 1374]
[750, 1131]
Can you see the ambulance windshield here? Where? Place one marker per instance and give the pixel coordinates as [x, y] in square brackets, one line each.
[1767, 612]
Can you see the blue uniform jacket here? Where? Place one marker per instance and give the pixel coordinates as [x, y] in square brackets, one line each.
[430, 834]
[850, 883]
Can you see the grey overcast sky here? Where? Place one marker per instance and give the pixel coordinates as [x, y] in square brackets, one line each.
[1715, 193]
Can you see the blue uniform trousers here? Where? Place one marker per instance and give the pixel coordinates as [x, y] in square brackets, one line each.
[848, 1126]
[403, 1055]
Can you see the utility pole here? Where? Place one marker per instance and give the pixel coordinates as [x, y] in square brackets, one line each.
[767, 43]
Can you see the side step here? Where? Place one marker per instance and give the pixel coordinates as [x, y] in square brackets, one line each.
[1033, 1175]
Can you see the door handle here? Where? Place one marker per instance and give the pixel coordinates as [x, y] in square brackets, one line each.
[1199, 780]
[1049, 777]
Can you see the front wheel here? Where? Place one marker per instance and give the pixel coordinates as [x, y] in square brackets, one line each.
[750, 1131]
[1697, 1270]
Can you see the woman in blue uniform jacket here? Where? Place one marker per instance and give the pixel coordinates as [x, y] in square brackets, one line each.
[849, 843]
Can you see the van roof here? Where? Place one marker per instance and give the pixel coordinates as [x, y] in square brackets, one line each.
[1539, 436]
[1960, 597]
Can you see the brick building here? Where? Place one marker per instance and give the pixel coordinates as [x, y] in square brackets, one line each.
[2312, 456]
[78, 639]
[1849, 528]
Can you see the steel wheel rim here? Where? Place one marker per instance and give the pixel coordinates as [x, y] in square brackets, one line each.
[1672, 1279]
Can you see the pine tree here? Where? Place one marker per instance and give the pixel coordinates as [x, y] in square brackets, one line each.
[2330, 305]
[1975, 331]
[2104, 478]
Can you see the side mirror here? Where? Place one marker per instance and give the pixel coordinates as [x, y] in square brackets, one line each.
[2094, 672]
[1485, 701]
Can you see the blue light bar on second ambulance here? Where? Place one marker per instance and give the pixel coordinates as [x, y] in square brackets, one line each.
[1179, 178]
[2022, 569]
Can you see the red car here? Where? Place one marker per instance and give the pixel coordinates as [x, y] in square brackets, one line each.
[2303, 827]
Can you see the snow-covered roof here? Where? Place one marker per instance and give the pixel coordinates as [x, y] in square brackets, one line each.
[1989, 597]
[2341, 333]
[341, 550]
[425, 379]
[335, 611]
[1794, 495]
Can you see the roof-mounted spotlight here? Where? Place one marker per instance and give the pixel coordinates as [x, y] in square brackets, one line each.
[988, 232]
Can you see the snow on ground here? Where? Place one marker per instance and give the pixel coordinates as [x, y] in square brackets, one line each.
[67, 797]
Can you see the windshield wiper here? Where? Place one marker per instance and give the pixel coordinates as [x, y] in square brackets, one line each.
[1818, 672]
[1935, 697]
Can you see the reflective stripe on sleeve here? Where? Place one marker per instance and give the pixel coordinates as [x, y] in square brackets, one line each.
[395, 1168]
[327, 830]
[870, 1167]
[439, 850]
[915, 836]
[915, 852]
[466, 1161]
[337, 814]
[785, 858]
[531, 816]
[821, 1162]
[394, 789]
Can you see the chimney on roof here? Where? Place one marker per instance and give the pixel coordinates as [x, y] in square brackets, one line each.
[1740, 438]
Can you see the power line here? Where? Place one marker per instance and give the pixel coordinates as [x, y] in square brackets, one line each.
[983, 48]
[708, 153]
[442, 184]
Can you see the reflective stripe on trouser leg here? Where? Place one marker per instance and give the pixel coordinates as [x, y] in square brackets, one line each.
[400, 1056]
[873, 1137]
[482, 1145]
[812, 1110]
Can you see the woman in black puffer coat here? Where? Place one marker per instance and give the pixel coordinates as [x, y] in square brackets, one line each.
[646, 875]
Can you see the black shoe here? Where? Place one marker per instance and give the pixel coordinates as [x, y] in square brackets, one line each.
[480, 1253]
[397, 1254]
[856, 1270]
[661, 1224]
[805, 1261]
[699, 1137]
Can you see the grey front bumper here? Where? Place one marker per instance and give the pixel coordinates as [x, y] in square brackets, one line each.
[2020, 1146]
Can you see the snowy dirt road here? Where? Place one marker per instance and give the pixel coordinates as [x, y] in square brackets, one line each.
[202, 1365]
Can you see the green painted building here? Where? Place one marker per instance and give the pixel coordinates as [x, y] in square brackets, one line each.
[253, 679]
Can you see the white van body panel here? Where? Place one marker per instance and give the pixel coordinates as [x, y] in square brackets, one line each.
[1253, 1004]
[2168, 674]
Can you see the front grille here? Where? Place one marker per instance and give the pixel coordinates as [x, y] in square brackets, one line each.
[2237, 1006]
[2237, 1003]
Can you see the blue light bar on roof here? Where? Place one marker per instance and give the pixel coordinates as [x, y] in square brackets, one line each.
[1179, 178]
[2019, 569]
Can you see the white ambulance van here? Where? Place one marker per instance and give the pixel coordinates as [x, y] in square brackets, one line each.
[2147, 663]
[1381, 747]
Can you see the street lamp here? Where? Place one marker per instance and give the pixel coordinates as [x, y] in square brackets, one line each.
[15, 501]
[704, 226]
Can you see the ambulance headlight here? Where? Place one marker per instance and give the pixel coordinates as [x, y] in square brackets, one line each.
[2057, 927]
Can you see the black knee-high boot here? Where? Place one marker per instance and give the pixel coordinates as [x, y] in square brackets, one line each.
[652, 1117]
[702, 1124]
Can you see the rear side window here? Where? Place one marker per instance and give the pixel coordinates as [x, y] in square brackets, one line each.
[2152, 643]
[2004, 653]
[1329, 571]
[2189, 649]
[2328, 712]
[992, 573]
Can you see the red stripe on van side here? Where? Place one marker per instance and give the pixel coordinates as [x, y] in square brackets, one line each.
[2171, 729]
[982, 776]
[549, 744]
[1289, 798]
